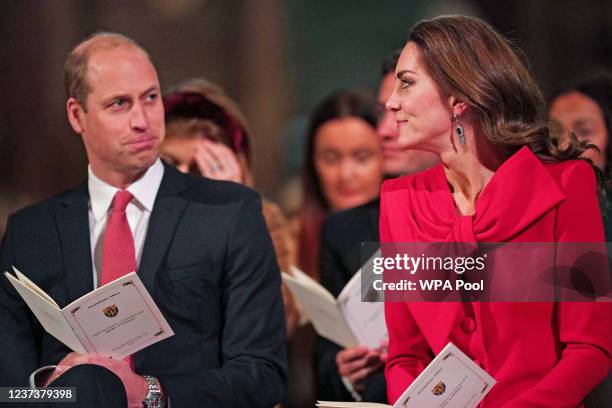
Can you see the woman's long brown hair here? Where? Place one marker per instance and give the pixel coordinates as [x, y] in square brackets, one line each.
[468, 59]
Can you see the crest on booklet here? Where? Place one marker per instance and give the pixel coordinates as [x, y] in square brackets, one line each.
[111, 311]
[439, 388]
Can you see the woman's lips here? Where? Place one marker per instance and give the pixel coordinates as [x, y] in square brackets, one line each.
[349, 192]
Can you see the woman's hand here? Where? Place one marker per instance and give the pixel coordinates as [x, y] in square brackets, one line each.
[217, 161]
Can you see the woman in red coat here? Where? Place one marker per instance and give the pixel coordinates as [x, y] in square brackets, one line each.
[462, 92]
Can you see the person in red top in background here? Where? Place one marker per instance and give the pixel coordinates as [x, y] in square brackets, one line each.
[463, 93]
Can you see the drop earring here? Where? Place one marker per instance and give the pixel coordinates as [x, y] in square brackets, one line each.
[459, 129]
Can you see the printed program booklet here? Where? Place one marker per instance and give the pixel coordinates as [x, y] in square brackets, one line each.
[347, 321]
[452, 379]
[114, 321]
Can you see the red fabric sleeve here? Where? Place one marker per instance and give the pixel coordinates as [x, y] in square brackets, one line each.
[409, 352]
[585, 329]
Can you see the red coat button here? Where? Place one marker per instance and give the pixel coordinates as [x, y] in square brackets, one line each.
[468, 325]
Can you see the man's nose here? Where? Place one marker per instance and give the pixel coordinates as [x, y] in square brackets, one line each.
[139, 120]
[386, 126]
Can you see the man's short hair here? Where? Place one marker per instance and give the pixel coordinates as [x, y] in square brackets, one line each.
[389, 63]
[75, 68]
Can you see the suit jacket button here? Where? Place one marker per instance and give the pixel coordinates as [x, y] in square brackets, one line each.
[468, 325]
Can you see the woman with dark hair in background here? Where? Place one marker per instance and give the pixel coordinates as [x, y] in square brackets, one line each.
[463, 93]
[342, 169]
[356, 373]
[342, 166]
[206, 134]
[585, 108]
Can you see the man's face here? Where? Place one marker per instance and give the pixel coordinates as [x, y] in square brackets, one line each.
[123, 127]
[582, 115]
[397, 160]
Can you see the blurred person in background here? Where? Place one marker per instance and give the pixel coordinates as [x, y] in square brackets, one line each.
[357, 373]
[207, 134]
[585, 108]
[342, 169]
[343, 166]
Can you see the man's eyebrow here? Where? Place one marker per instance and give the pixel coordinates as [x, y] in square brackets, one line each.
[151, 89]
[115, 97]
[402, 72]
[583, 122]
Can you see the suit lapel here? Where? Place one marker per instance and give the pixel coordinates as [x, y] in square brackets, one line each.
[373, 216]
[167, 211]
[73, 226]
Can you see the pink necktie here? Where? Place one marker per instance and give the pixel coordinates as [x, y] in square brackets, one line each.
[118, 253]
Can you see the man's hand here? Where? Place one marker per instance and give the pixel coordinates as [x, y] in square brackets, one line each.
[135, 385]
[358, 363]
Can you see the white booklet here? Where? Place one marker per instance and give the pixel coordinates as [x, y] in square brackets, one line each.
[347, 321]
[114, 321]
[452, 379]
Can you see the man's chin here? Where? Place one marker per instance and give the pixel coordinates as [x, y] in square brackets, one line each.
[148, 157]
[395, 168]
[142, 163]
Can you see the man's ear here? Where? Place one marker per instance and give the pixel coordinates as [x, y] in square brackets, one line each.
[75, 114]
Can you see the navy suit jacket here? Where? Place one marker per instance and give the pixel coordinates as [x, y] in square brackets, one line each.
[340, 257]
[208, 263]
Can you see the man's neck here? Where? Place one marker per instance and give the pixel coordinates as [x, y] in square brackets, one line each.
[120, 180]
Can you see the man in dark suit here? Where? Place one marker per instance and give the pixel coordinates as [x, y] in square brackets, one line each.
[340, 257]
[356, 373]
[201, 248]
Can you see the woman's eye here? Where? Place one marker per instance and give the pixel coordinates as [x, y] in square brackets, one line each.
[406, 83]
[363, 156]
[329, 158]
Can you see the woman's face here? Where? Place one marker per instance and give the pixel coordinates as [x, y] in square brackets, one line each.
[423, 116]
[348, 162]
[583, 116]
[180, 152]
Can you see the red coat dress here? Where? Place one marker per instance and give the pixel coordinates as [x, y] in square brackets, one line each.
[541, 354]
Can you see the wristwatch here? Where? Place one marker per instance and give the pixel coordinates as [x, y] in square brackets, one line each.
[154, 397]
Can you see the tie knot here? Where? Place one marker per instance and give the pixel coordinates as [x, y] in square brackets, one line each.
[122, 199]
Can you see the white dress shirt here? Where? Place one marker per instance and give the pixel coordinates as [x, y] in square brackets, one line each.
[138, 211]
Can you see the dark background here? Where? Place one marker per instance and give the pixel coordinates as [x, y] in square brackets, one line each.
[276, 58]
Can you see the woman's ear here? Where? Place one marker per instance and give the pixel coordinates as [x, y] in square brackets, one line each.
[457, 106]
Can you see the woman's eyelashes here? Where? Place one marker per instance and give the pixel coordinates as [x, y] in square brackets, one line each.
[406, 83]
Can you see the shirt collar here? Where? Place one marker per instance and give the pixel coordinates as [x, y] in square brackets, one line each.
[144, 190]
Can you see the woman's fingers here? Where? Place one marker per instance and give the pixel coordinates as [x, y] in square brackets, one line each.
[217, 161]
